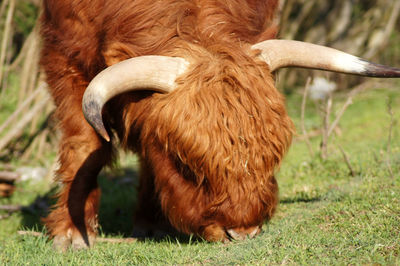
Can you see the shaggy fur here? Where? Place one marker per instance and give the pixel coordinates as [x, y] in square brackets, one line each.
[209, 149]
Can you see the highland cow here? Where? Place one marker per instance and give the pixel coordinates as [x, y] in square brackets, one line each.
[188, 85]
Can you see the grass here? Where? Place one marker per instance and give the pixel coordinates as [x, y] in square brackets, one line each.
[325, 215]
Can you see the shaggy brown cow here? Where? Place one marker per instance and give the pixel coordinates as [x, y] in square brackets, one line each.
[210, 146]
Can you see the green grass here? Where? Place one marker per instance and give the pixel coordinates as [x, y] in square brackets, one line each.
[325, 216]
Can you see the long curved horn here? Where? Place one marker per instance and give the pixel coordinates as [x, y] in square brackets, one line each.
[155, 73]
[285, 53]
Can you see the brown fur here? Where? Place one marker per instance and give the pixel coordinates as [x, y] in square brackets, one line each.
[209, 149]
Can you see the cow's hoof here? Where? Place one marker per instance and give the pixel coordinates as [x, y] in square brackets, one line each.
[75, 241]
[61, 243]
[78, 242]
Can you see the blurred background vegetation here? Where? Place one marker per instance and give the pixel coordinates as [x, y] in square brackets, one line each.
[369, 29]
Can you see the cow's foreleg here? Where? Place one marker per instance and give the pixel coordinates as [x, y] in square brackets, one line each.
[82, 155]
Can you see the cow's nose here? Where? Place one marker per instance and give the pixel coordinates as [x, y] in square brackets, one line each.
[241, 233]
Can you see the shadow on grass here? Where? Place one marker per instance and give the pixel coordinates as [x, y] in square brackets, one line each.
[117, 206]
[33, 213]
[118, 202]
[298, 199]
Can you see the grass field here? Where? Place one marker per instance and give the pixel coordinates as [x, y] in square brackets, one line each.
[325, 216]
